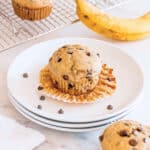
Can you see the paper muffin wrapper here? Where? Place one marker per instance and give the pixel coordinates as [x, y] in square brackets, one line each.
[105, 87]
[77, 89]
[31, 14]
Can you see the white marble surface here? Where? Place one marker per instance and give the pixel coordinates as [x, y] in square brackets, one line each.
[56, 140]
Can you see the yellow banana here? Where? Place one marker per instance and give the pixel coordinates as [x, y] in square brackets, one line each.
[113, 27]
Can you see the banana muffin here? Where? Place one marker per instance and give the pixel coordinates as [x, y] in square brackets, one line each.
[75, 69]
[126, 135]
[32, 9]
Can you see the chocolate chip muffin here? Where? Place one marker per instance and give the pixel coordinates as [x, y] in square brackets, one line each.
[75, 69]
[32, 9]
[126, 135]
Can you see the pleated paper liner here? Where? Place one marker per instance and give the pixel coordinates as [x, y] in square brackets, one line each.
[105, 87]
[31, 14]
[74, 89]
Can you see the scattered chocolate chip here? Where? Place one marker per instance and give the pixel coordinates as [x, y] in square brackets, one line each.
[139, 129]
[60, 111]
[133, 142]
[101, 138]
[59, 60]
[25, 75]
[88, 54]
[98, 54]
[65, 77]
[42, 98]
[124, 133]
[109, 107]
[86, 16]
[39, 107]
[40, 88]
[69, 52]
[70, 86]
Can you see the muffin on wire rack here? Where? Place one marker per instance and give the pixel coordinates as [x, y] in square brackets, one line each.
[32, 9]
[76, 74]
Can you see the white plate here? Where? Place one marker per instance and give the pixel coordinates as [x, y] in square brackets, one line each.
[63, 124]
[127, 71]
[42, 122]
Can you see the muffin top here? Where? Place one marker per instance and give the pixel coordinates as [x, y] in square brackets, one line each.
[75, 63]
[126, 135]
[34, 3]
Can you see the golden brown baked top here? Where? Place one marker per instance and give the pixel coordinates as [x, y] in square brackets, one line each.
[126, 135]
[34, 3]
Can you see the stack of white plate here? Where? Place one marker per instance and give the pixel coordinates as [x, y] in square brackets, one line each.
[48, 112]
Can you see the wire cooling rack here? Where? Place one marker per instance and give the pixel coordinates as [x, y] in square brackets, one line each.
[14, 31]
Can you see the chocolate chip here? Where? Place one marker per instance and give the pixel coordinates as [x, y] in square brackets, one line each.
[98, 54]
[70, 86]
[89, 72]
[144, 140]
[65, 77]
[109, 107]
[134, 132]
[88, 91]
[124, 133]
[88, 54]
[56, 84]
[133, 142]
[39, 107]
[101, 138]
[89, 75]
[108, 79]
[25, 75]
[90, 79]
[86, 16]
[42, 98]
[60, 111]
[59, 60]
[139, 129]
[64, 47]
[40, 88]
[69, 52]
[50, 59]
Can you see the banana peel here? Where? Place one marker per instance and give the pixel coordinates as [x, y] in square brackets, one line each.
[111, 26]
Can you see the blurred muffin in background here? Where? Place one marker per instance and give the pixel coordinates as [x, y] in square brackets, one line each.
[32, 9]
